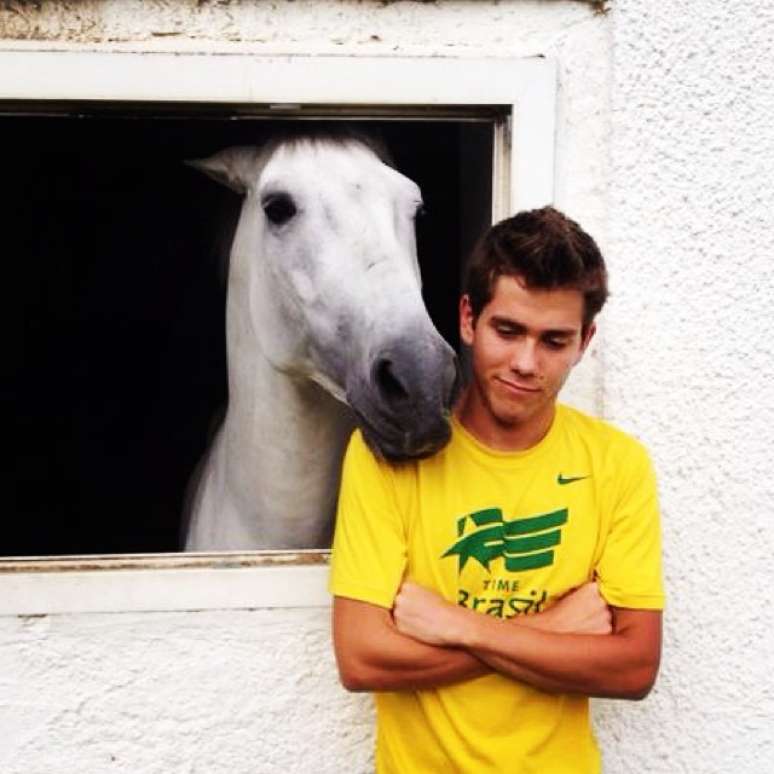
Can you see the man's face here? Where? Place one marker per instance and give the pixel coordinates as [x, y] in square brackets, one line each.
[524, 344]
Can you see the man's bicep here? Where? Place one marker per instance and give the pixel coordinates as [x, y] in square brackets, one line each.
[642, 630]
[641, 626]
[357, 626]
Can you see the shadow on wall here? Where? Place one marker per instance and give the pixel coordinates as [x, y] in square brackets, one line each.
[114, 258]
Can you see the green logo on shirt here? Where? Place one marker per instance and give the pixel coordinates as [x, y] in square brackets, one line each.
[525, 544]
[563, 480]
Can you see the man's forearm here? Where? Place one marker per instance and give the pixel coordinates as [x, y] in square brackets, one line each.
[611, 665]
[373, 655]
[573, 647]
[407, 664]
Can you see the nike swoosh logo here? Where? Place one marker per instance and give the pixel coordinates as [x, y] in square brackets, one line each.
[562, 480]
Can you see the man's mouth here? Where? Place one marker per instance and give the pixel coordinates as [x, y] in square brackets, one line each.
[517, 388]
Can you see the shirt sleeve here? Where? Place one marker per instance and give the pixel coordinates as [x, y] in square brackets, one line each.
[629, 568]
[369, 546]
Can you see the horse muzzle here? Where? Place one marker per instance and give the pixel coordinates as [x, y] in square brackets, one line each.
[403, 406]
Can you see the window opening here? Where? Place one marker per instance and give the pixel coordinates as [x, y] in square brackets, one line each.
[114, 275]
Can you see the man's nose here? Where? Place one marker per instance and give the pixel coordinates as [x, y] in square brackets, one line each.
[524, 356]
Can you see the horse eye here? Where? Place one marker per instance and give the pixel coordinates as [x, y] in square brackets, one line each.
[279, 209]
[420, 211]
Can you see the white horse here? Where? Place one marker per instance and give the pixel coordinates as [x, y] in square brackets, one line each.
[325, 324]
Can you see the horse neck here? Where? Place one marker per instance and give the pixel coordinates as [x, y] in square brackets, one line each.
[271, 409]
[282, 437]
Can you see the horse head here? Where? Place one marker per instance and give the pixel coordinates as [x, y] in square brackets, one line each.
[326, 254]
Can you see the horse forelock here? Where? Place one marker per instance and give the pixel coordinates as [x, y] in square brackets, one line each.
[338, 136]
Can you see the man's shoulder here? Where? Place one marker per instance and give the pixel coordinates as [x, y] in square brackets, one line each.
[357, 444]
[359, 453]
[601, 432]
[360, 456]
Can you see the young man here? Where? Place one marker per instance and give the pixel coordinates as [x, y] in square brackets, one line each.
[486, 592]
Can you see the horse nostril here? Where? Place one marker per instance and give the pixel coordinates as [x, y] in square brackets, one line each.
[388, 383]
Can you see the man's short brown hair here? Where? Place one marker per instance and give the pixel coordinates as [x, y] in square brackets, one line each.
[544, 248]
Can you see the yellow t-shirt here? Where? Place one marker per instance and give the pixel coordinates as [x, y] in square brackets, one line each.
[503, 533]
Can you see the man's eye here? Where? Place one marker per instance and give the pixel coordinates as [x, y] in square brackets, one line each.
[555, 343]
[506, 331]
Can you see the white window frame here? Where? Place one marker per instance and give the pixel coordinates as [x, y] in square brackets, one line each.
[523, 178]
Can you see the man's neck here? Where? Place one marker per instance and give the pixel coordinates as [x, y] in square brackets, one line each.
[476, 418]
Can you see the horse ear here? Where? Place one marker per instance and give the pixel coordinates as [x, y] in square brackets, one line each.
[234, 167]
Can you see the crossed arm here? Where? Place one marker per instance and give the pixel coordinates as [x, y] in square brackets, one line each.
[579, 645]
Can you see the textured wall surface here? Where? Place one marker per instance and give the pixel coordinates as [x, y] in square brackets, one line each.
[665, 150]
[689, 345]
[301, 26]
[233, 692]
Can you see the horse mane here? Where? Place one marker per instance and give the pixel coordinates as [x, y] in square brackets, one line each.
[329, 132]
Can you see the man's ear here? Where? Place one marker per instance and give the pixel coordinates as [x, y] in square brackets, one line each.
[467, 321]
[235, 167]
[587, 337]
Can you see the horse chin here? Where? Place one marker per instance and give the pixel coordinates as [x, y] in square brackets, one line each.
[403, 445]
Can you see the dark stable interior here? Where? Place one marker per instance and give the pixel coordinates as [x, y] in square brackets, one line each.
[115, 334]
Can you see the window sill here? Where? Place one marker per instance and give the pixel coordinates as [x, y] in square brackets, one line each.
[164, 582]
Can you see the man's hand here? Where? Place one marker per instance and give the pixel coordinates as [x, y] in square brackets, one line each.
[425, 616]
[581, 611]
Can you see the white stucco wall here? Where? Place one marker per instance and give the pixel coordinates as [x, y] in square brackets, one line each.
[215, 691]
[688, 364]
[665, 149]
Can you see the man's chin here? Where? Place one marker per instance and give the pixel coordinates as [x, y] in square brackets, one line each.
[513, 418]
[504, 414]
